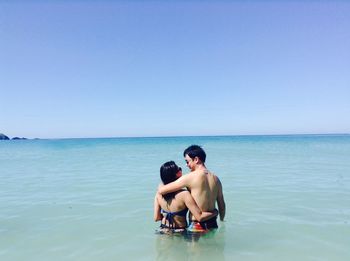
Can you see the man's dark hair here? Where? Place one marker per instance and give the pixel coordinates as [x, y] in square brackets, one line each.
[195, 151]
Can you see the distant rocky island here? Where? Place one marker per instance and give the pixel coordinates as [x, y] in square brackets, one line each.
[4, 137]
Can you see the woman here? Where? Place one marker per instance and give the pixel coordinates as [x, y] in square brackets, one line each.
[172, 208]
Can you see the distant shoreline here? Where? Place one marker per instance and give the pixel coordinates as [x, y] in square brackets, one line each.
[5, 137]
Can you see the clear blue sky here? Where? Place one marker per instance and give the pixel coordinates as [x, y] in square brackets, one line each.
[165, 68]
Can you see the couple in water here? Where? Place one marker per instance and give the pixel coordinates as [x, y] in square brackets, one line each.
[197, 192]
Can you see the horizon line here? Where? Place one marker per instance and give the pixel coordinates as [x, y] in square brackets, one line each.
[189, 136]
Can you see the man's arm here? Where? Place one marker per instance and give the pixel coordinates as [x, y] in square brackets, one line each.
[194, 209]
[174, 186]
[221, 202]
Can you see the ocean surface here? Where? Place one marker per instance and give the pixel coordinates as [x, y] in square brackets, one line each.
[287, 198]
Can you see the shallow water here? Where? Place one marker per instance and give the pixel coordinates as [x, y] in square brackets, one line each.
[287, 198]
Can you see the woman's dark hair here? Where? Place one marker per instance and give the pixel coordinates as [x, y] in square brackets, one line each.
[168, 173]
[195, 151]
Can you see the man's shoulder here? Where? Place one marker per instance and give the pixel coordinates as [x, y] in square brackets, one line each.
[192, 174]
[214, 177]
[191, 178]
[210, 173]
[197, 174]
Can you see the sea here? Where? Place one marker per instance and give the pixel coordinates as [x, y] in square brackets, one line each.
[287, 198]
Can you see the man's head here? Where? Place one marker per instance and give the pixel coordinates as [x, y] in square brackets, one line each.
[194, 155]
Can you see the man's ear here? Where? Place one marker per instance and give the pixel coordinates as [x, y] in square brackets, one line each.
[196, 160]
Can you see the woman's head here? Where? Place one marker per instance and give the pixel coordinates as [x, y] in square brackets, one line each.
[170, 172]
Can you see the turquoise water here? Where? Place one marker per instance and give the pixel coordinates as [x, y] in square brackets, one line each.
[287, 198]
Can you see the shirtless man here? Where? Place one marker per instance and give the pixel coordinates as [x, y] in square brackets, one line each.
[205, 188]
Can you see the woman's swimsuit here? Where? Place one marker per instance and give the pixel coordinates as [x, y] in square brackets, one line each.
[170, 218]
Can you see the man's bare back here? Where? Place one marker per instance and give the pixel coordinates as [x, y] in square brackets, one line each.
[204, 189]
